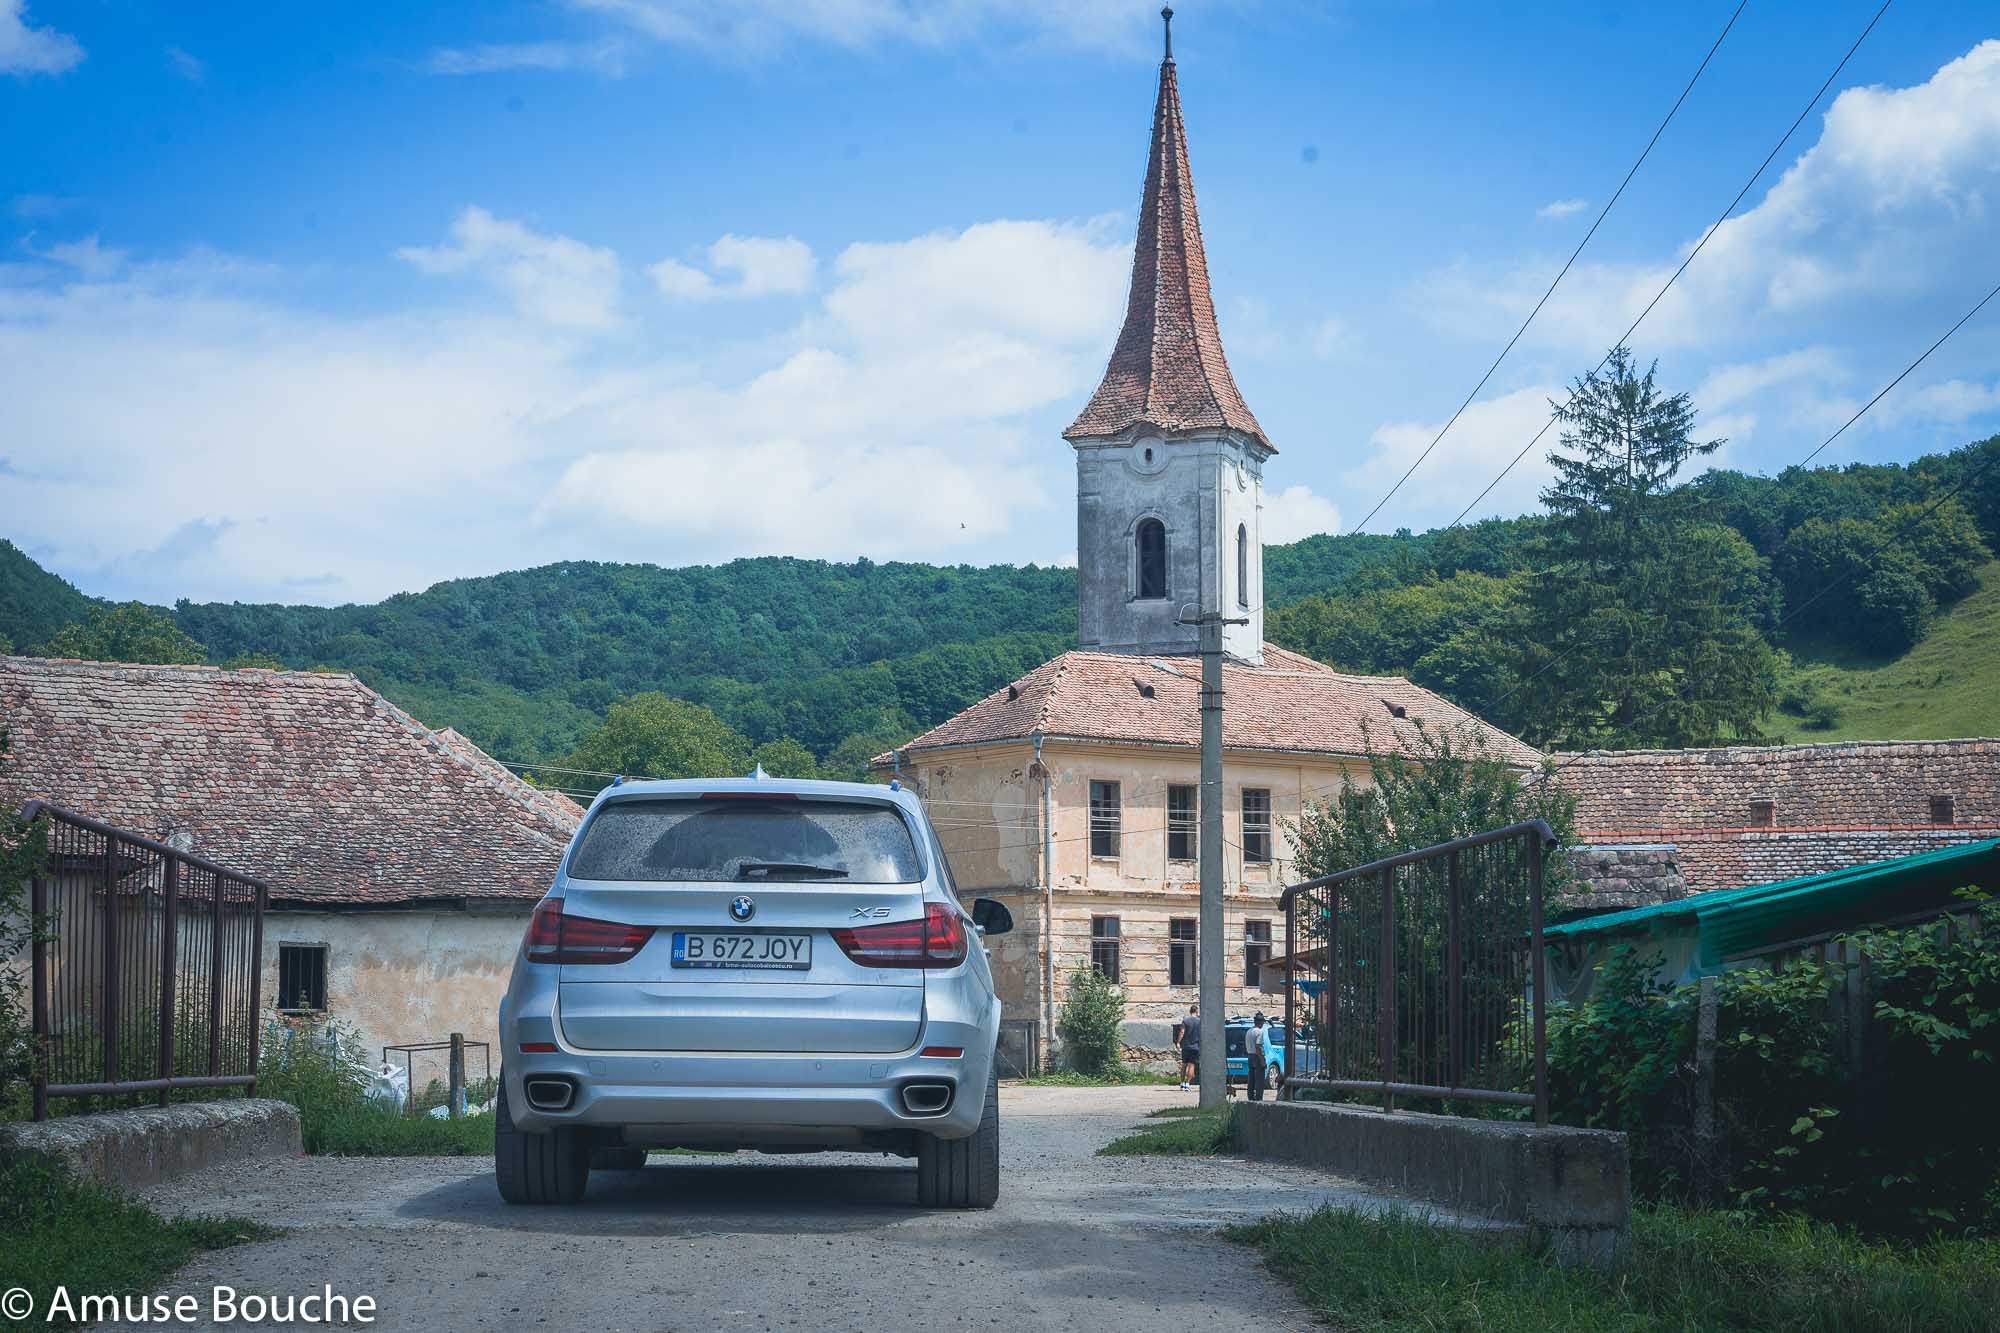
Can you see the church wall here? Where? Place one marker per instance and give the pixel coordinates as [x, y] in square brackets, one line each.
[985, 803]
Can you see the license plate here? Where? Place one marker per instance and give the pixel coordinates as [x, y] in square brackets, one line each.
[703, 948]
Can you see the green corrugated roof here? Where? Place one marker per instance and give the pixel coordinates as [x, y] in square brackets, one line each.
[1730, 920]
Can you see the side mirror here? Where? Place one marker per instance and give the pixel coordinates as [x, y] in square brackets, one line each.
[991, 916]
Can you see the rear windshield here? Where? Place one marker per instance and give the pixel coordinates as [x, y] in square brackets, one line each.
[757, 841]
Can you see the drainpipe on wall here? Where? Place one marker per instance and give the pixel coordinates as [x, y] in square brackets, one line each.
[1048, 905]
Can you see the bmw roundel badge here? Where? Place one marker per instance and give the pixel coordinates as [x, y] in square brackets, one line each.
[743, 908]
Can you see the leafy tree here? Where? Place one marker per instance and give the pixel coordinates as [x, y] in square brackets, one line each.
[126, 632]
[785, 758]
[1636, 631]
[1451, 786]
[254, 659]
[1876, 585]
[655, 736]
[1090, 1023]
[22, 847]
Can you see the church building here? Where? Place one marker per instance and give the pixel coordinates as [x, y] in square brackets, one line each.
[1071, 794]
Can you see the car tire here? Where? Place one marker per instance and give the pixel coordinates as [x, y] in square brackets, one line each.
[617, 1159]
[963, 1173]
[1271, 1076]
[551, 1167]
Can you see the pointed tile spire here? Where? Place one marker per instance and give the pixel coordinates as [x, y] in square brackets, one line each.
[1167, 369]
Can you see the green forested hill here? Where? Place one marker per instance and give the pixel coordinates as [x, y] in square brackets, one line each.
[848, 659]
[34, 603]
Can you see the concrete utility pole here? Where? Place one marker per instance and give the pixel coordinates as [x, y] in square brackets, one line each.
[1214, 1060]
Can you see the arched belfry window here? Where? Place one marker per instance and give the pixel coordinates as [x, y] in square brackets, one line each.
[1152, 543]
[1242, 565]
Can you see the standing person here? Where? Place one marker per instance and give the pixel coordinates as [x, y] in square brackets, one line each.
[1257, 1055]
[1187, 1033]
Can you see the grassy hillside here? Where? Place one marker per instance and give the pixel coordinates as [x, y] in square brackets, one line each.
[1948, 685]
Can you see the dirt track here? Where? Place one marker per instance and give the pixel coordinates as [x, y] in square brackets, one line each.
[826, 1242]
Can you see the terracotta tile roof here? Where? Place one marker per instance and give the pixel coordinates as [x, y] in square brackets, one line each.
[1167, 368]
[309, 780]
[1290, 703]
[1831, 806]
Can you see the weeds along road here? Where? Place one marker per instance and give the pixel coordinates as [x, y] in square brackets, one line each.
[752, 1242]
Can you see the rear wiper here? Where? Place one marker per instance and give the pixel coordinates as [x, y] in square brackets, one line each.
[765, 869]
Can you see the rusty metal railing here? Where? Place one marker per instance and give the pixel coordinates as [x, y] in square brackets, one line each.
[145, 972]
[1423, 973]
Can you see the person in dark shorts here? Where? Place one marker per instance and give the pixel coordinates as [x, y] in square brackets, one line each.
[1187, 1033]
[1256, 1056]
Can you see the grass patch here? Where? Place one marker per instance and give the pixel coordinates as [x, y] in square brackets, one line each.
[336, 1117]
[56, 1231]
[1176, 1112]
[1199, 1134]
[1685, 1271]
[1126, 1077]
[1942, 687]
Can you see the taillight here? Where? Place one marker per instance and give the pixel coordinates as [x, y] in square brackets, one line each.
[938, 940]
[554, 937]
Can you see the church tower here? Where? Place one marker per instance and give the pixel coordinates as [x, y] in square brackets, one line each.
[1169, 459]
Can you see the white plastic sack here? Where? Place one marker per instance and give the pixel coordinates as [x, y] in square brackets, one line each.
[389, 1087]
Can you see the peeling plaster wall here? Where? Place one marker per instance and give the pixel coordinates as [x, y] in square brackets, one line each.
[402, 977]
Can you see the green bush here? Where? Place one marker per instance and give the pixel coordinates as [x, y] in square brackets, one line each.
[1093, 1014]
[1902, 1144]
[319, 1069]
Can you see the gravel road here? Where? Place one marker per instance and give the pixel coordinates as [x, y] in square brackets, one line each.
[753, 1242]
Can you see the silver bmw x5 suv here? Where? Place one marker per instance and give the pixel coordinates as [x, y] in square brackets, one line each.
[751, 963]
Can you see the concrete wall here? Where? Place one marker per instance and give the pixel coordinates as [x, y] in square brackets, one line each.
[1570, 1188]
[985, 802]
[402, 977]
[134, 1149]
[1201, 485]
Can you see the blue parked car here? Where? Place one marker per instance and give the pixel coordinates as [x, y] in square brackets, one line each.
[1235, 1034]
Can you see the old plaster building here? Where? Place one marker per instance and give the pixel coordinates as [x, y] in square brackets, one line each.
[403, 862]
[1071, 794]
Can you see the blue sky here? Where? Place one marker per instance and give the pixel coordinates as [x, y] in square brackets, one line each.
[323, 303]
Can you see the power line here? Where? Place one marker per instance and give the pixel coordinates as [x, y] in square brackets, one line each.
[1567, 265]
[1702, 244]
[1817, 450]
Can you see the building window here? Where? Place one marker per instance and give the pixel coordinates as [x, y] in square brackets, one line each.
[1256, 825]
[1256, 950]
[1183, 952]
[1104, 818]
[1943, 809]
[302, 978]
[1104, 946]
[1763, 812]
[1152, 542]
[1242, 565]
[1183, 823]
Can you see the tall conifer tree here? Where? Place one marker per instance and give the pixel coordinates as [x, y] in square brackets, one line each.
[1642, 623]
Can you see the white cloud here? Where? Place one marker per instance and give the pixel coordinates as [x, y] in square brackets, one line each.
[1489, 433]
[1729, 385]
[550, 278]
[29, 50]
[187, 66]
[1296, 512]
[911, 414]
[751, 265]
[608, 58]
[1560, 209]
[1887, 215]
[90, 259]
[760, 27]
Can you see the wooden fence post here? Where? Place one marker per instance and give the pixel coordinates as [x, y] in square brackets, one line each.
[1704, 1093]
[456, 1090]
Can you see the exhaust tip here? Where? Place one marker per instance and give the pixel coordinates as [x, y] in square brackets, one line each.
[550, 1094]
[927, 1098]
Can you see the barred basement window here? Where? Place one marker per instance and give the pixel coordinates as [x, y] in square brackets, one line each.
[1104, 946]
[1256, 950]
[1257, 825]
[1104, 818]
[302, 978]
[1183, 952]
[1183, 824]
